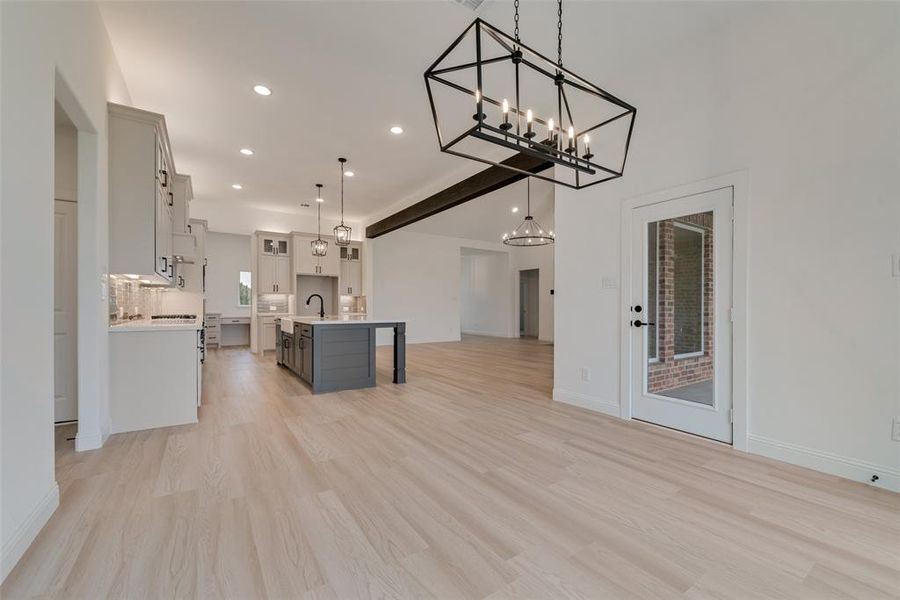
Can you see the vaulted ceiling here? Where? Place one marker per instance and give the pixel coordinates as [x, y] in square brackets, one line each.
[342, 73]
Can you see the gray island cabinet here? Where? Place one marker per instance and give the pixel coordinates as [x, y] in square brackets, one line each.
[337, 353]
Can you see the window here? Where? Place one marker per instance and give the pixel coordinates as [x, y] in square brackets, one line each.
[244, 289]
[688, 292]
[653, 290]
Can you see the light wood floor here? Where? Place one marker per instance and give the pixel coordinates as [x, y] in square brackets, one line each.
[467, 482]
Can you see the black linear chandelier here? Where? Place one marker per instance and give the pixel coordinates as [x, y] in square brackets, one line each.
[530, 232]
[318, 245]
[342, 232]
[528, 110]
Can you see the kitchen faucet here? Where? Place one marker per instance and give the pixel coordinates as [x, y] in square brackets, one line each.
[321, 304]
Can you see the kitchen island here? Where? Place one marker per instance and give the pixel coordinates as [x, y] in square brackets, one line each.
[337, 353]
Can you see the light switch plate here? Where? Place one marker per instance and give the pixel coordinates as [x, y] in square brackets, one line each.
[585, 374]
[895, 265]
[895, 430]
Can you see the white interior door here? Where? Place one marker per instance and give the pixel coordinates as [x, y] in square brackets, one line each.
[680, 313]
[65, 311]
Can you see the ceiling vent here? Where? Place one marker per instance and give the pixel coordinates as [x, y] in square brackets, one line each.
[470, 4]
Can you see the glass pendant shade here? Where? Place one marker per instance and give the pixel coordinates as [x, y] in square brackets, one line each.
[318, 245]
[342, 232]
[342, 235]
[530, 232]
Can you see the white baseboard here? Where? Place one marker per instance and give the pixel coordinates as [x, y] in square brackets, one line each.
[502, 334]
[88, 441]
[589, 402]
[826, 462]
[21, 539]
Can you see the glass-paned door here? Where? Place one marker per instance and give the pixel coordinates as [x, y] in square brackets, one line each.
[680, 314]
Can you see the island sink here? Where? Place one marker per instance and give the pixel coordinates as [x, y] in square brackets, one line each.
[333, 353]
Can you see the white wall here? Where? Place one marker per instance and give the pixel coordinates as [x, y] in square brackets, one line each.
[416, 277]
[227, 255]
[804, 98]
[485, 301]
[48, 49]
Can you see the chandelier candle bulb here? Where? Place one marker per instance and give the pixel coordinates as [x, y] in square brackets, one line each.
[587, 148]
[478, 116]
[529, 117]
[506, 124]
[571, 147]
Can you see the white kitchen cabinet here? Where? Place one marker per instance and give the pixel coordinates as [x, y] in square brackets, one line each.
[141, 219]
[351, 278]
[307, 264]
[267, 332]
[273, 245]
[274, 275]
[182, 193]
[192, 276]
[351, 270]
[155, 378]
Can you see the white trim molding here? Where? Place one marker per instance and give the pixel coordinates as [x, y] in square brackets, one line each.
[826, 462]
[594, 403]
[89, 441]
[21, 539]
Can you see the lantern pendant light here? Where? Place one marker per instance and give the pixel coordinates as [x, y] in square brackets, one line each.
[318, 245]
[342, 232]
[530, 232]
[531, 115]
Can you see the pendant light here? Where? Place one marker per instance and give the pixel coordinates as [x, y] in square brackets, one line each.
[530, 232]
[531, 114]
[342, 232]
[318, 245]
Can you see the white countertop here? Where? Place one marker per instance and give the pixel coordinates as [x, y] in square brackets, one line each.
[151, 325]
[287, 323]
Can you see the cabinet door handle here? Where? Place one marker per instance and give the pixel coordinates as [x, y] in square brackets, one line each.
[180, 281]
[165, 174]
[171, 269]
[165, 262]
[171, 199]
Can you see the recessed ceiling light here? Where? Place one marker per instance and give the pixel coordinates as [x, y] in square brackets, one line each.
[262, 90]
[515, 209]
[349, 173]
[237, 186]
[246, 151]
[396, 130]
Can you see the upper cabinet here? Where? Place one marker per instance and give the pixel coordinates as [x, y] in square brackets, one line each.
[191, 277]
[351, 270]
[272, 245]
[141, 197]
[274, 271]
[307, 264]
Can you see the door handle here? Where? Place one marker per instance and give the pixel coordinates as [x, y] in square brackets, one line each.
[639, 323]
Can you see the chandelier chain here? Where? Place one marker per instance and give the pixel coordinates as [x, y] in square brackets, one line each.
[342, 193]
[559, 33]
[516, 5]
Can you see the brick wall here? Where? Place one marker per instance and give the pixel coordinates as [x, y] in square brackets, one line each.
[676, 324]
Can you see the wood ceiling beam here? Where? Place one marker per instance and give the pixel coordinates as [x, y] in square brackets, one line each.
[484, 182]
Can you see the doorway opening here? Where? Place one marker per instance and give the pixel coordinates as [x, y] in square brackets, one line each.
[529, 303]
[65, 272]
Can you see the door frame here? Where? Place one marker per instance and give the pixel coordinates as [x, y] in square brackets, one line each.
[739, 183]
[518, 307]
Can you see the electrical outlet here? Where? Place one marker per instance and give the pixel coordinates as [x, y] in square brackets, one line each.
[895, 430]
[585, 374]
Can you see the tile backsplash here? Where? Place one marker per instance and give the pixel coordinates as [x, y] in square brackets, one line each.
[129, 300]
[275, 303]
